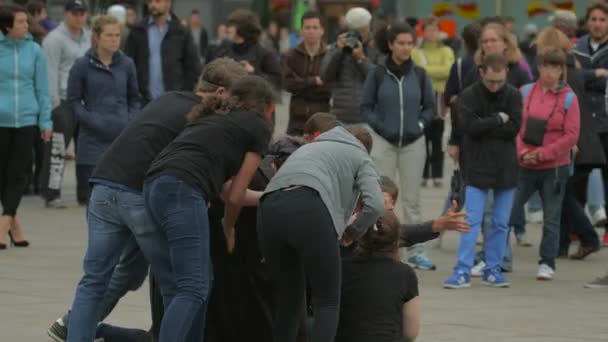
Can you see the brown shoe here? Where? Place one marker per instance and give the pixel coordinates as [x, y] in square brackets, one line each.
[583, 252]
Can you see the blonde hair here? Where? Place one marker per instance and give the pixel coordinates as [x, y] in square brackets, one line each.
[99, 23]
[512, 52]
[553, 38]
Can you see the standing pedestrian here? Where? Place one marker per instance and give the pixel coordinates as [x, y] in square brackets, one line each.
[550, 129]
[301, 75]
[68, 42]
[490, 116]
[103, 93]
[436, 59]
[25, 108]
[164, 52]
[398, 105]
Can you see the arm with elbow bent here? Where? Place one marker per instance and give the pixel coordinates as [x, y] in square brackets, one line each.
[238, 190]
[411, 319]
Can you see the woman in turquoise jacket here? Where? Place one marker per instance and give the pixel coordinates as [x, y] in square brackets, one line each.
[25, 108]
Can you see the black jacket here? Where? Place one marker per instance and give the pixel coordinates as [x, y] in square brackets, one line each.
[591, 153]
[412, 234]
[181, 64]
[489, 150]
[595, 87]
[265, 62]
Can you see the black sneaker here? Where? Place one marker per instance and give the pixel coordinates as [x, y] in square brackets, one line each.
[58, 331]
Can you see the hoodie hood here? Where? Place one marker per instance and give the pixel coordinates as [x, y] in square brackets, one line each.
[8, 40]
[91, 54]
[341, 135]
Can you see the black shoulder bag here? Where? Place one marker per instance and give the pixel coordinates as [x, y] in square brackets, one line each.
[536, 127]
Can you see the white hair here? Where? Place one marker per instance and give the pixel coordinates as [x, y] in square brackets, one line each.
[119, 12]
[357, 18]
[564, 18]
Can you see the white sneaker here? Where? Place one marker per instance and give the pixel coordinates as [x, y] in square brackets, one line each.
[545, 272]
[477, 270]
[535, 217]
[599, 217]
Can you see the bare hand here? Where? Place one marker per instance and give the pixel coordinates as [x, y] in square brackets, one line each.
[454, 152]
[601, 72]
[341, 41]
[248, 67]
[46, 134]
[346, 241]
[229, 233]
[531, 158]
[318, 81]
[452, 221]
[358, 52]
[575, 151]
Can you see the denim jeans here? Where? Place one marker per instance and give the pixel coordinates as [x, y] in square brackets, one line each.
[129, 274]
[494, 242]
[486, 226]
[519, 219]
[180, 213]
[114, 217]
[551, 185]
[595, 191]
[574, 219]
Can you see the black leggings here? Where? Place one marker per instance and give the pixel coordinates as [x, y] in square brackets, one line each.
[16, 146]
[298, 240]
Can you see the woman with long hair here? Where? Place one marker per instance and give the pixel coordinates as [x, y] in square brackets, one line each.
[214, 148]
[391, 311]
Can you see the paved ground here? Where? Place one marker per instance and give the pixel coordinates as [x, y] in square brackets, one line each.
[37, 285]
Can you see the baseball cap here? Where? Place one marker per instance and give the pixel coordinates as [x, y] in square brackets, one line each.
[75, 5]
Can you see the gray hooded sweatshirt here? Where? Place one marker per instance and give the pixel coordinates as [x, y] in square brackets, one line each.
[61, 50]
[339, 168]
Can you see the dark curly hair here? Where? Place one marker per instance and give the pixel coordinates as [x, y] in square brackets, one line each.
[249, 94]
[247, 24]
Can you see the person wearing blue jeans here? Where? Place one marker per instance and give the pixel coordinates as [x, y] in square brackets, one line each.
[489, 113]
[129, 274]
[214, 148]
[115, 216]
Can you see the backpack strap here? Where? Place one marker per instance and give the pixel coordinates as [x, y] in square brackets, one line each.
[568, 100]
[525, 90]
[378, 78]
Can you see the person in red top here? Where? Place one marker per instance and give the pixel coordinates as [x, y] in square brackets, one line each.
[549, 131]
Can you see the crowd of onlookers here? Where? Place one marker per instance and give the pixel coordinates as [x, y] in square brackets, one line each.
[139, 99]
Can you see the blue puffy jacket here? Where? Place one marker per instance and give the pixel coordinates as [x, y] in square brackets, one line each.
[24, 86]
[398, 109]
[104, 99]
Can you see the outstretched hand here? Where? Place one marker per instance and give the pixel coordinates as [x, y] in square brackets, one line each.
[452, 220]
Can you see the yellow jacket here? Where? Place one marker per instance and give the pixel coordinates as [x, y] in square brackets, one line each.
[437, 60]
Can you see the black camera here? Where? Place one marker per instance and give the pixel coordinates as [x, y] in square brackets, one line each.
[352, 40]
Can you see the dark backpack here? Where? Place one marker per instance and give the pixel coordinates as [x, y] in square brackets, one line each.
[379, 74]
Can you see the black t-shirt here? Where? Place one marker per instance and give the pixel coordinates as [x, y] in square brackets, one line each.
[374, 290]
[211, 150]
[129, 157]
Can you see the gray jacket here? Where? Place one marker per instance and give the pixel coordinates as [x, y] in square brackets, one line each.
[347, 77]
[339, 168]
[62, 50]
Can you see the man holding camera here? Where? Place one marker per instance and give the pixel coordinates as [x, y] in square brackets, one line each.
[347, 64]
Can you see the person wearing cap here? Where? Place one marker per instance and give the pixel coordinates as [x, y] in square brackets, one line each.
[347, 68]
[119, 175]
[68, 42]
[163, 51]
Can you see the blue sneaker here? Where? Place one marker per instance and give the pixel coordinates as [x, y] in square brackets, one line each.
[458, 280]
[420, 261]
[494, 278]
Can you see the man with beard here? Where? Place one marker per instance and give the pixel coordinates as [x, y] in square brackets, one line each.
[164, 52]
